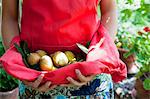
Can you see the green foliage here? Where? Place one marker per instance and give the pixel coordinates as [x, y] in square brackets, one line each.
[7, 82]
[147, 84]
[140, 45]
[134, 15]
[1, 47]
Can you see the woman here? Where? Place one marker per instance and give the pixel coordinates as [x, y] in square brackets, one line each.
[43, 23]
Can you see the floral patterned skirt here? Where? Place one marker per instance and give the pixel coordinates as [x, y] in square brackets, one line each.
[100, 88]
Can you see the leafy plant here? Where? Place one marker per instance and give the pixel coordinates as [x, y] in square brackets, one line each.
[7, 82]
[134, 15]
[140, 45]
[1, 47]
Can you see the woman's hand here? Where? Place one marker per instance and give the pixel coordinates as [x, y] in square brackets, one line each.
[47, 86]
[36, 84]
[82, 79]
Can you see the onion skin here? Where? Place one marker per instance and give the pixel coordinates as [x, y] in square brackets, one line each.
[70, 56]
[54, 68]
[46, 63]
[60, 59]
[33, 58]
[41, 52]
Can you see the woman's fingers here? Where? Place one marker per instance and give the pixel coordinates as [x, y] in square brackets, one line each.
[47, 87]
[67, 85]
[76, 83]
[44, 87]
[89, 78]
[52, 87]
[27, 83]
[34, 84]
[82, 78]
[37, 82]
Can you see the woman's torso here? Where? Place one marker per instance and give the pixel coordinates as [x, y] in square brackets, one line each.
[54, 25]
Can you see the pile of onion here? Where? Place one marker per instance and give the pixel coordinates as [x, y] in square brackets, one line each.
[50, 62]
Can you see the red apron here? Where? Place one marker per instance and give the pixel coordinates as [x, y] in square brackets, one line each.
[53, 25]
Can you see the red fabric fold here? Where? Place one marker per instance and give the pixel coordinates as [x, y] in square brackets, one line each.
[106, 54]
[103, 57]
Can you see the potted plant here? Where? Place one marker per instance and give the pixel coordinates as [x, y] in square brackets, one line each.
[124, 44]
[141, 47]
[129, 61]
[132, 16]
[8, 84]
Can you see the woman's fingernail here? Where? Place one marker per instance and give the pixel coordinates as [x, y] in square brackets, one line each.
[49, 83]
[77, 71]
[68, 78]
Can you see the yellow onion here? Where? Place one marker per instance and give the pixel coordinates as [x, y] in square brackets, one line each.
[33, 58]
[70, 56]
[41, 52]
[46, 63]
[54, 68]
[60, 59]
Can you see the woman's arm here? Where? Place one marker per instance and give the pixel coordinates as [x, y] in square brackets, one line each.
[109, 16]
[10, 27]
